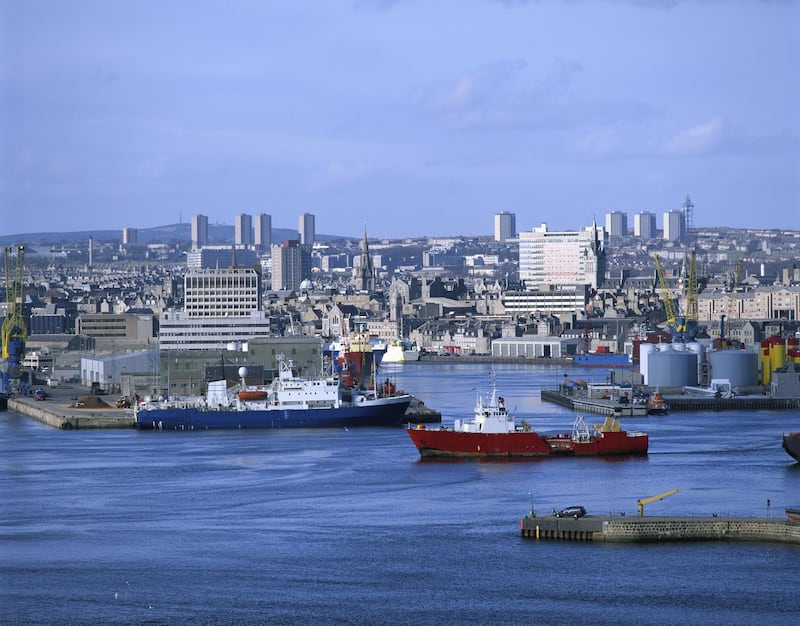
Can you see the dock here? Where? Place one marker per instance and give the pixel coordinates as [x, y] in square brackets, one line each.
[676, 403]
[68, 407]
[654, 529]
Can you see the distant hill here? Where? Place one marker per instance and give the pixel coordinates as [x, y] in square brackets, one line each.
[218, 234]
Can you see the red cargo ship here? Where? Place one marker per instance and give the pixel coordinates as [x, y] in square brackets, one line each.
[493, 433]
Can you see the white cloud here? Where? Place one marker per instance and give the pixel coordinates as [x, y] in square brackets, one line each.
[700, 139]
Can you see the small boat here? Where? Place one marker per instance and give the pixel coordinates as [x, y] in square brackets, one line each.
[494, 433]
[793, 516]
[252, 394]
[656, 405]
[791, 443]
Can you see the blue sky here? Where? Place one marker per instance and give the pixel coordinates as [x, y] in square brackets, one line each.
[414, 117]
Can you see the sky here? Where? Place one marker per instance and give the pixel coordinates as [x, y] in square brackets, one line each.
[404, 117]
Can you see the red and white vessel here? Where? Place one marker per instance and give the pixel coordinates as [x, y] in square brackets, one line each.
[494, 433]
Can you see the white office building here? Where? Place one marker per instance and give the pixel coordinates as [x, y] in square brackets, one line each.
[562, 257]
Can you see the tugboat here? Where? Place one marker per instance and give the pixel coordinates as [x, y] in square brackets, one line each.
[494, 433]
[656, 405]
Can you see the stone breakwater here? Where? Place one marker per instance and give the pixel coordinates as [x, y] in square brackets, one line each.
[621, 529]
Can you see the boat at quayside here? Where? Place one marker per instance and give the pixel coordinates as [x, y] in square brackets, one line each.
[288, 402]
[791, 443]
[399, 351]
[494, 433]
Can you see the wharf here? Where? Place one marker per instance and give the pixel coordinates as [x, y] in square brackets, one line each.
[677, 403]
[60, 409]
[649, 529]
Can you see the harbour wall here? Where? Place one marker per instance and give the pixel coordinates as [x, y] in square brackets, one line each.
[620, 529]
[66, 418]
[678, 404]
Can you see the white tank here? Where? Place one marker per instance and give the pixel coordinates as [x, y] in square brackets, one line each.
[664, 347]
[645, 350]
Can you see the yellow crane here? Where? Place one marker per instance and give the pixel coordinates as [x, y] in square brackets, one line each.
[660, 496]
[14, 331]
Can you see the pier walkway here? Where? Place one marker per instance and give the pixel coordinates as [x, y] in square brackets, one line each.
[624, 529]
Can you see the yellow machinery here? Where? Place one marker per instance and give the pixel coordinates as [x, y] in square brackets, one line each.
[660, 496]
[14, 331]
[682, 327]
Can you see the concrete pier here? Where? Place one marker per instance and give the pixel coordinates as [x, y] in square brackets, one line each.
[678, 403]
[57, 410]
[622, 529]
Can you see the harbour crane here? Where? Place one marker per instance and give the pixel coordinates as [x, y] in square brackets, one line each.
[660, 496]
[14, 331]
[682, 326]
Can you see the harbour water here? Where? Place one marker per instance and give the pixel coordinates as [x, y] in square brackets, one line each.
[350, 527]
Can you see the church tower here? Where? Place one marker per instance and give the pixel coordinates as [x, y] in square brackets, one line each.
[365, 273]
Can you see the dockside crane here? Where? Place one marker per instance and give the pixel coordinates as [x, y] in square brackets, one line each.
[683, 327]
[14, 332]
[660, 496]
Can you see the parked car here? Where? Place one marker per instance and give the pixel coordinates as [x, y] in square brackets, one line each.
[570, 511]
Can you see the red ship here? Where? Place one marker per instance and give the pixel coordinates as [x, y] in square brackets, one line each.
[493, 433]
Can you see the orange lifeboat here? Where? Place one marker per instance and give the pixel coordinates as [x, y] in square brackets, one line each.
[252, 394]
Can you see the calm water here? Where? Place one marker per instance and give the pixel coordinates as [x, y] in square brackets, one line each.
[349, 527]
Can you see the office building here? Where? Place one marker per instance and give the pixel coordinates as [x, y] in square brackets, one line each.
[243, 230]
[210, 257]
[262, 229]
[674, 226]
[222, 307]
[505, 226]
[231, 292]
[305, 228]
[559, 258]
[291, 265]
[199, 231]
[644, 225]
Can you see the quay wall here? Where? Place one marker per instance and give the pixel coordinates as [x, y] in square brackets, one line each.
[660, 529]
[65, 417]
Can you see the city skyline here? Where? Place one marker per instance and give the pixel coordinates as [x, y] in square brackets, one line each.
[407, 118]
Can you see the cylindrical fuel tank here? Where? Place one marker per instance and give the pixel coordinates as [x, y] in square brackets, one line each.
[668, 368]
[738, 366]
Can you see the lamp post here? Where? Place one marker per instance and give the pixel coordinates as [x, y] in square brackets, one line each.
[533, 512]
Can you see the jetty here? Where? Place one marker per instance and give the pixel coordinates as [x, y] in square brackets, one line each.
[677, 403]
[653, 529]
[68, 407]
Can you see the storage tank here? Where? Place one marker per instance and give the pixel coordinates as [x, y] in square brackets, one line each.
[645, 350]
[738, 366]
[766, 370]
[695, 347]
[668, 368]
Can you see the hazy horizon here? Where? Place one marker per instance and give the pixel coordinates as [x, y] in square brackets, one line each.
[410, 118]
